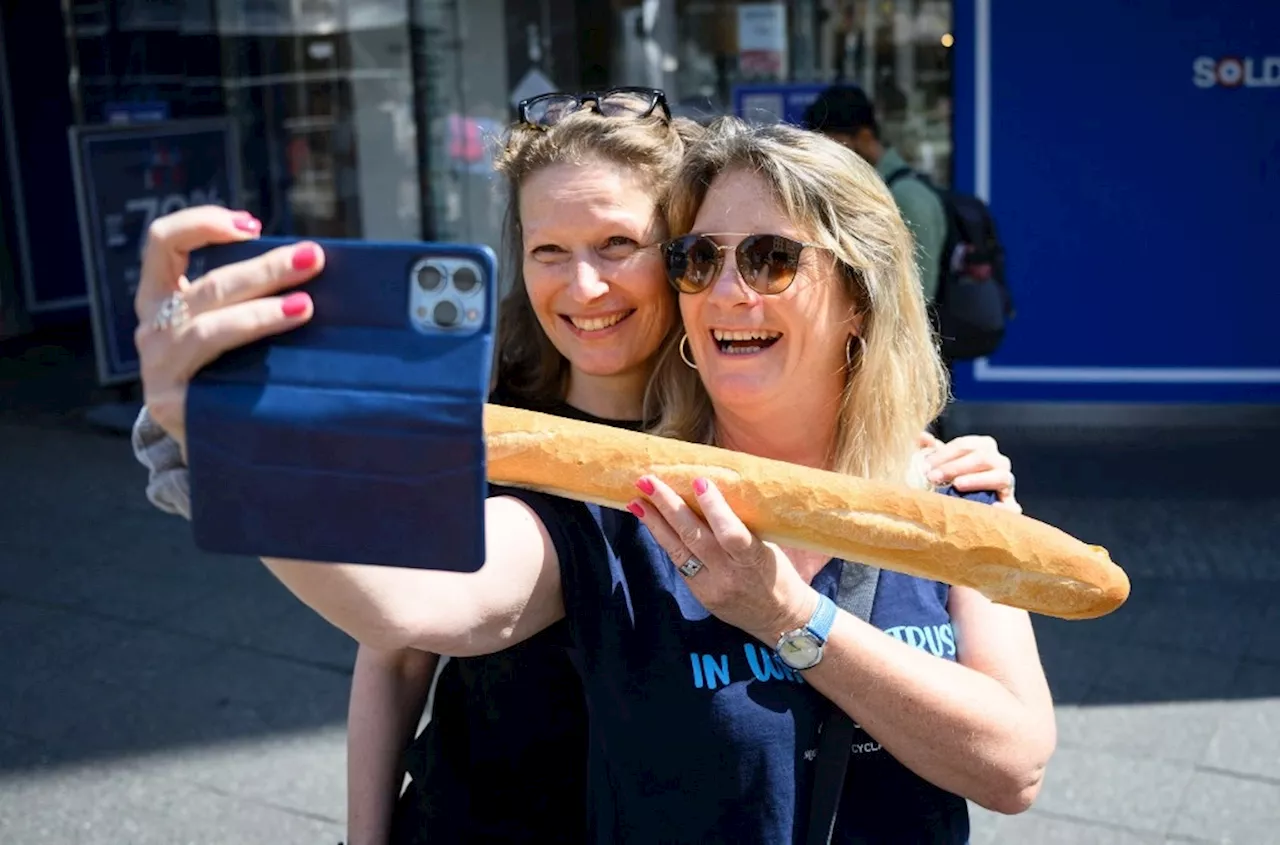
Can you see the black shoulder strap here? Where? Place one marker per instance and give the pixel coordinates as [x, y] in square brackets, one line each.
[898, 174]
[856, 595]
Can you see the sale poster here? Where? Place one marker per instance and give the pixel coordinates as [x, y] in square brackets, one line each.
[126, 177]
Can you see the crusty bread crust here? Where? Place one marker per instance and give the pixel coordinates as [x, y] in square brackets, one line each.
[1010, 558]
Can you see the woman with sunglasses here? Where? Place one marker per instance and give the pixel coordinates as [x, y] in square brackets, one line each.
[503, 724]
[580, 256]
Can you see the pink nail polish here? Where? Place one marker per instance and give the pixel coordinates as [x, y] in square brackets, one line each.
[645, 486]
[636, 510]
[305, 257]
[295, 304]
[246, 222]
[699, 486]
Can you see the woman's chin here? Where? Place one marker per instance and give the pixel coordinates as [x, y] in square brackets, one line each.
[741, 392]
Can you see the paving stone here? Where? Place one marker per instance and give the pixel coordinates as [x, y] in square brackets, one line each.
[1264, 639]
[1224, 808]
[39, 637]
[1143, 673]
[1247, 741]
[267, 618]
[1032, 827]
[302, 771]
[1196, 617]
[124, 803]
[1173, 731]
[1114, 789]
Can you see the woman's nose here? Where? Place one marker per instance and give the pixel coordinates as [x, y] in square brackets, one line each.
[728, 284]
[587, 283]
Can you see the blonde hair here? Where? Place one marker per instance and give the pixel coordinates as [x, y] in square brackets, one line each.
[896, 384]
[526, 363]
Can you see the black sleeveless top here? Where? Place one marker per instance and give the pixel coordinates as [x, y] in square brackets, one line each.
[504, 756]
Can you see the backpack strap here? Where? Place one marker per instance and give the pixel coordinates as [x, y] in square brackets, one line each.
[900, 173]
[857, 594]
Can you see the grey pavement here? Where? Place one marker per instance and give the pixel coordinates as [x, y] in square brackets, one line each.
[150, 693]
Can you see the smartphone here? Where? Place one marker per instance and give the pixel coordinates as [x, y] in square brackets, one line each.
[359, 436]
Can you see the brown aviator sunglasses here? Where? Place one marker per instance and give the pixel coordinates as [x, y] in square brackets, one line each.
[767, 263]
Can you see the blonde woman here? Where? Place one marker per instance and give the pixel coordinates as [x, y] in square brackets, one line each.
[699, 731]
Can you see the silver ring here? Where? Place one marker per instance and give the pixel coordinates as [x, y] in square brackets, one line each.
[690, 567]
[173, 312]
[1013, 483]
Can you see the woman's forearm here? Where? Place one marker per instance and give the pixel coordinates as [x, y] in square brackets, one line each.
[388, 693]
[954, 726]
[515, 594]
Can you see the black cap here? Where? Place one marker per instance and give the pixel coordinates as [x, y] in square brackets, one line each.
[841, 108]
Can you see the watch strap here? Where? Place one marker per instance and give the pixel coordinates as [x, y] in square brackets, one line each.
[823, 619]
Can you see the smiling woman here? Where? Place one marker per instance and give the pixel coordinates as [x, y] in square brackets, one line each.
[805, 315]
[589, 307]
[592, 269]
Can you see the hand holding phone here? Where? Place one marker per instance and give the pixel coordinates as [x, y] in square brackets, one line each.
[357, 437]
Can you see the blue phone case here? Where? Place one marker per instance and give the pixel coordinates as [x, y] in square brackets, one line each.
[358, 437]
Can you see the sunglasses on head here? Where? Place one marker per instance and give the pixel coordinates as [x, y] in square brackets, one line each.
[767, 263]
[546, 110]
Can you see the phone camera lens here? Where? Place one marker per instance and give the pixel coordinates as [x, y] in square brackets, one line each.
[429, 278]
[465, 280]
[446, 314]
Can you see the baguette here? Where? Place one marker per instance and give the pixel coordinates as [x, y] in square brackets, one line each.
[1010, 558]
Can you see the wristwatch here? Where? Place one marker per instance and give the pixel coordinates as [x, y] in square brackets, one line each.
[802, 648]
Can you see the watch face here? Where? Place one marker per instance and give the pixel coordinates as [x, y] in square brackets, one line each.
[799, 650]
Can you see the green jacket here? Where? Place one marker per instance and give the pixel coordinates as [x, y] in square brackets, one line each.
[925, 216]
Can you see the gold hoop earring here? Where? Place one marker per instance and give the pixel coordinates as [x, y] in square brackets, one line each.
[685, 354]
[848, 349]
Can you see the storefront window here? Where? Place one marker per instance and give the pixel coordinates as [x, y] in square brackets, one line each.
[321, 91]
[378, 118]
[897, 50]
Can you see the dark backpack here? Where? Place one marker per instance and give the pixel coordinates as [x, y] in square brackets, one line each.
[973, 305]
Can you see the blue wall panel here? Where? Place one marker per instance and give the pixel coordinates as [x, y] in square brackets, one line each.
[1136, 180]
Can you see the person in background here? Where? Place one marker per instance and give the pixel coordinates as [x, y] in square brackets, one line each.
[846, 115]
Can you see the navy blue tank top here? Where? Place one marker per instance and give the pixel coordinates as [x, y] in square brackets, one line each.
[504, 756]
[698, 733]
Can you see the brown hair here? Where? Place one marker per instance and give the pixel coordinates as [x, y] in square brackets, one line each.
[896, 383]
[526, 363]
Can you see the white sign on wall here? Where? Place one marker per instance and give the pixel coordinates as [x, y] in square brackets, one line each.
[1236, 72]
[762, 40]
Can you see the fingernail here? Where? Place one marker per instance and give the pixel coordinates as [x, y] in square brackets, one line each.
[699, 486]
[636, 510]
[295, 304]
[246, 222]
[645, 486]
[305, 257]
[936, 476]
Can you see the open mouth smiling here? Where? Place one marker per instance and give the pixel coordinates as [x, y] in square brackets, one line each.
[590, 325]
[744, 341]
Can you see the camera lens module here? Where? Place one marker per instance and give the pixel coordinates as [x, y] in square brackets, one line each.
[446, 314]
[466, 280]
[430, 278]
